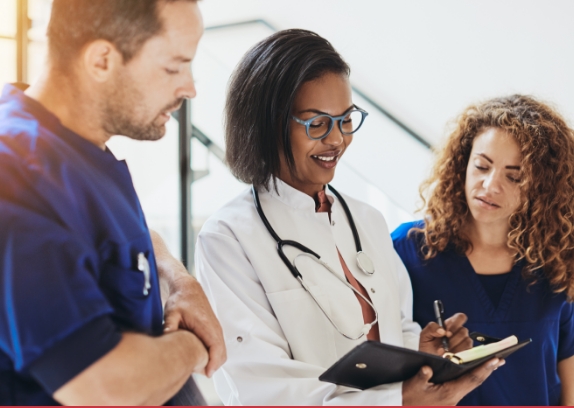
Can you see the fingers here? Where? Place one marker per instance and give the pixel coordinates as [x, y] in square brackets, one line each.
[460, 341]
[416, 389]
[457, 333]
[210, 333]
[455, 322]
[201, 320]
[217, 356]
[473, 379]
[200, 355]
[432, 331]
[431, 339]
[172, 321]
[188, 308]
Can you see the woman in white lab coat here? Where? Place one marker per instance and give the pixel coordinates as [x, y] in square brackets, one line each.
[289, 119]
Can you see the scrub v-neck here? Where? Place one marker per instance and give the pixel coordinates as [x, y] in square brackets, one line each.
[505, 301]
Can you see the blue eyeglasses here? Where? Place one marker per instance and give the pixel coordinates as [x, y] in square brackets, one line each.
[318, 127]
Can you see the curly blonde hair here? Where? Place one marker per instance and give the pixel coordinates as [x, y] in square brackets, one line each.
[541, 230]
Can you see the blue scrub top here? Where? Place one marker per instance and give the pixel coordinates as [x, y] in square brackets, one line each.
[72, 229]
[530, 375]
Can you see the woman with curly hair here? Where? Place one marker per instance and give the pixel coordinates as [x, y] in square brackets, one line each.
[497, 243]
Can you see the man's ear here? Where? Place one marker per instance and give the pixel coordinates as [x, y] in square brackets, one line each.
[100, 59]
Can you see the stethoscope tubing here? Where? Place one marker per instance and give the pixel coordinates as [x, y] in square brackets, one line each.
[367, 326]
[303, 248]
[317, 258]
[349, 218]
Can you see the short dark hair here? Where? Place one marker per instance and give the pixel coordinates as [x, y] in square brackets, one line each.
[260, 97]
[127, 24]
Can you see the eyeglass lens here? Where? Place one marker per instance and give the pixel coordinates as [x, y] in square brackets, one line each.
[321, 125]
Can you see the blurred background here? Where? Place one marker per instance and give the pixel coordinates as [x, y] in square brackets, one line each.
[415, 65]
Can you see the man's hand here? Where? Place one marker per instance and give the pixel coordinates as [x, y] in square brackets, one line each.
[187, 306]
[457, 335]
[419, 391]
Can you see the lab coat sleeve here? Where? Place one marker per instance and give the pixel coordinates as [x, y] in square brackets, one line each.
[260, 369]
[411, 329]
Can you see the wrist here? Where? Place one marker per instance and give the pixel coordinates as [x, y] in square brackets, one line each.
[180, 281]
[170, 270]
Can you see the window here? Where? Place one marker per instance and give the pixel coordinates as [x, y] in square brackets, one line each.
[8, 43]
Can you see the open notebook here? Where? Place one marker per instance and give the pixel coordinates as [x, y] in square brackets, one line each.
[373, 363]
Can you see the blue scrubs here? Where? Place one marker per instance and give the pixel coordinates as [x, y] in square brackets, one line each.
[530, 375]
[72, 231]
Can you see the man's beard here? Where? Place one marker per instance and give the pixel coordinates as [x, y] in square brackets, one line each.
[124, 114]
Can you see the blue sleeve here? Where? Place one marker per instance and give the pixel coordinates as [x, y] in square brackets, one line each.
[71, 356]
[406, 246]
[48, 285]
[566, 340]
[402, 231]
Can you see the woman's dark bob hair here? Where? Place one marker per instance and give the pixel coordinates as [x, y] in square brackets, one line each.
[261, 93]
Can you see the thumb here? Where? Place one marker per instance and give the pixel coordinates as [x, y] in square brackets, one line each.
[171, 322]
[424, 374]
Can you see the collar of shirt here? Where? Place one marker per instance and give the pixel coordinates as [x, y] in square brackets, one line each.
[24, 104]
[294, 198]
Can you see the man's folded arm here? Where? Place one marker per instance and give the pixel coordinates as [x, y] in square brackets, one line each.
[139, 370]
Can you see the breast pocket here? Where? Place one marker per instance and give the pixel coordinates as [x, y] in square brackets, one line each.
[131, 289]
[309, 333]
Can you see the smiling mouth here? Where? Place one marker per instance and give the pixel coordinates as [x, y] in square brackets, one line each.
[327, 160]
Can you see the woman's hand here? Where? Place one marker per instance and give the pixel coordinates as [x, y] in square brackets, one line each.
[457, 335]
[419, 391]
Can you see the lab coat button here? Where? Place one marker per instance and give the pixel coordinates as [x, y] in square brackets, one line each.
[239, 339]
[373, 290]
[333, 223]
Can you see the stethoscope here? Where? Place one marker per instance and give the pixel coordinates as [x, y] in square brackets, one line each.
[363, 261]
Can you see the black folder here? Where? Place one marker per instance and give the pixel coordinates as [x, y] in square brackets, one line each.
[373, 363]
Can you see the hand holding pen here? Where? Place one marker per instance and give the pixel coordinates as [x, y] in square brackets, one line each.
[448, 332]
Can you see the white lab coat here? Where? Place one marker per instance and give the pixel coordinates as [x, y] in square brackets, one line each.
[278, 340]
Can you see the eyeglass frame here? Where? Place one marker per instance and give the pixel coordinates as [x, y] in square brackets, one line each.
[334, 119]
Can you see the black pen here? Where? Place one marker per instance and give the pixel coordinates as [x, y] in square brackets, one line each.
[439, 314]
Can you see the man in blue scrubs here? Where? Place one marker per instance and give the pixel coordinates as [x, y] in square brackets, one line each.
[80, 307]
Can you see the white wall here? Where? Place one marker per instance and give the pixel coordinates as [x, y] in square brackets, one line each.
[426, 60]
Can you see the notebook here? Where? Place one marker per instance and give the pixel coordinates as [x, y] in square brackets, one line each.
[373, 363]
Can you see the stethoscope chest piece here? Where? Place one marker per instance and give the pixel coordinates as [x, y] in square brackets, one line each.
[364, 263]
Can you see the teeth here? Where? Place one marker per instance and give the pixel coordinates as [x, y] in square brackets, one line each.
[325, 158]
